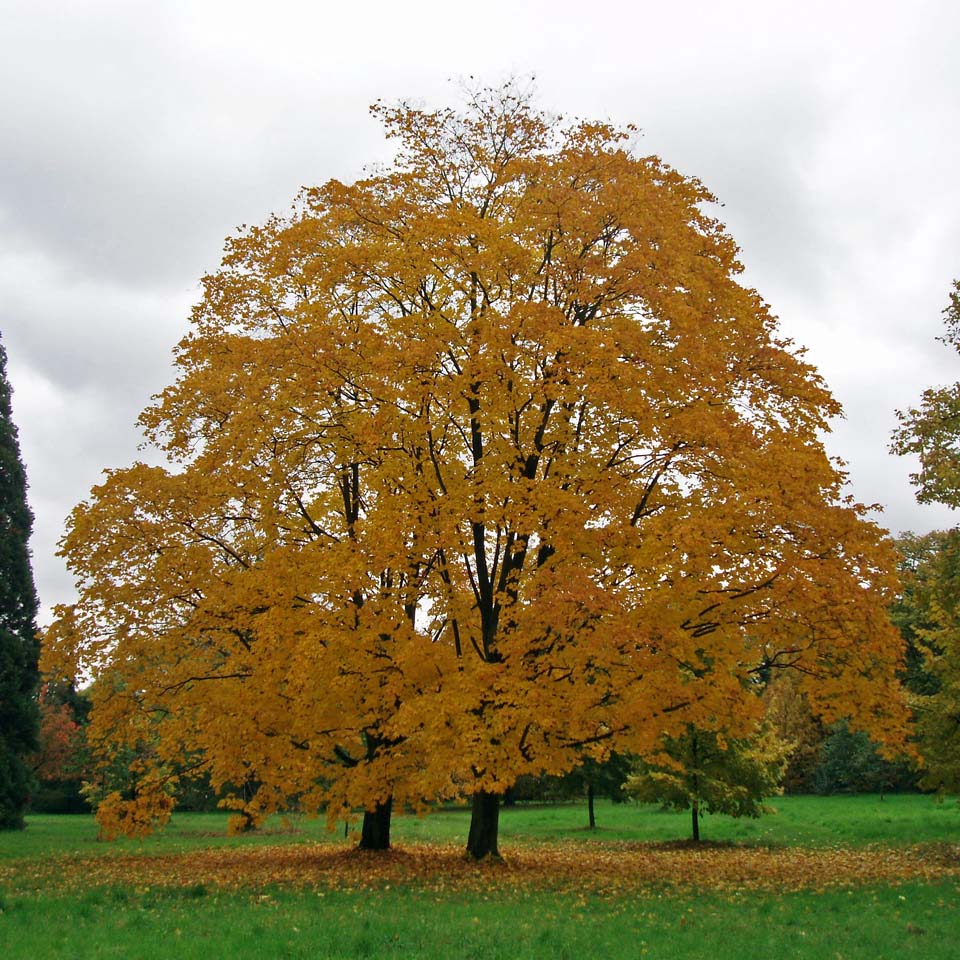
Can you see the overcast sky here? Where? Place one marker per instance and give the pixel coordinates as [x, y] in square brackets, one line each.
[134, 137]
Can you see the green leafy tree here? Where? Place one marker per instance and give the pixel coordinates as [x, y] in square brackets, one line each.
[595, 778]
[931, 432]
[913, 611]
[705, 772]
[936, 597]
[929, 612]
[19, 678]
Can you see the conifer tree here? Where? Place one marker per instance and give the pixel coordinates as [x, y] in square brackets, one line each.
[19, 718]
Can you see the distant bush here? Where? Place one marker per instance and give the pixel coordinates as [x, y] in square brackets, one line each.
[61, 796]
[850, 762]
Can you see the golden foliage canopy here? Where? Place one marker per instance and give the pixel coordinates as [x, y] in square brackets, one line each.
[477, 465]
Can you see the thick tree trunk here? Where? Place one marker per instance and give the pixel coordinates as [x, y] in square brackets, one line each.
[590, 814]
[484, 826]
[695, 811]
[375, 834]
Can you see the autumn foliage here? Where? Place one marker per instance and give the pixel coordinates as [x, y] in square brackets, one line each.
[61, 752]
[477, 467]
[708, 772]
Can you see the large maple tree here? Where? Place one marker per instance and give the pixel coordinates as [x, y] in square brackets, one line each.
[477, 467]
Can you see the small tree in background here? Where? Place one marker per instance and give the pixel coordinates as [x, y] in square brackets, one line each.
[703, 771]
[931, 432]
[937, 707]
[19, 649]
[595, 778]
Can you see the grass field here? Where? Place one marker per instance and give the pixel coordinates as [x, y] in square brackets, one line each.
[843, 877]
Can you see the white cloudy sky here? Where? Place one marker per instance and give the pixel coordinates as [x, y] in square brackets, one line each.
[135, 136]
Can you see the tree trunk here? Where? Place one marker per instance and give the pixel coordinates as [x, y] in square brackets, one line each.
[484, 826]
[590, 814]
[244, 823]
[376, 827]
[695, 811]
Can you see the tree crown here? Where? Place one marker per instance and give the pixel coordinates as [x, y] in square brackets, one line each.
[480, 465]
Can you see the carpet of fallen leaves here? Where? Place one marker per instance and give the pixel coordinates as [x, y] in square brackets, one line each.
[599, 869]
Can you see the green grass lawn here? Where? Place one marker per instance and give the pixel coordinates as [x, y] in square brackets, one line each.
[880, 924]
[86, 918]
[793, 821]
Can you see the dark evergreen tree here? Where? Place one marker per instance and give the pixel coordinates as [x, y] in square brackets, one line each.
[850, 762]
[62, 764]
[19, 677]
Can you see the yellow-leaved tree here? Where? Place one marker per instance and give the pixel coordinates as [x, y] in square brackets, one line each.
[478, 466]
